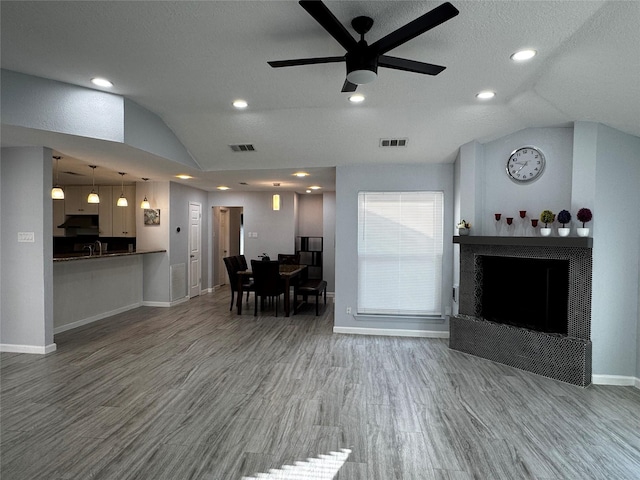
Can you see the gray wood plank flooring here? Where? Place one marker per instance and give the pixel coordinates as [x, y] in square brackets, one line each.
[198, 392]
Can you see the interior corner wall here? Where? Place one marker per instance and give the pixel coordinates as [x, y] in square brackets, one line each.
[616, 253]
[156, 275]
[329, 239]
[350, 181]
[27, 267]
[310, 217]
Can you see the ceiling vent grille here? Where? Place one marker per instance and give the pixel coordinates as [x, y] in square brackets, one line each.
[244, 147]
[394, 142]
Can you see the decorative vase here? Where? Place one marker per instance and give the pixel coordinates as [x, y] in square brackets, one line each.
[563, 231]
[545, 231]
[463, 231]
[582, 232]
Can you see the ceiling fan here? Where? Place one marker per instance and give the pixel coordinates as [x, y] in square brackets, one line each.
[362, 59]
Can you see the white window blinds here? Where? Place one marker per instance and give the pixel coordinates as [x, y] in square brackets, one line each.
[400, 244]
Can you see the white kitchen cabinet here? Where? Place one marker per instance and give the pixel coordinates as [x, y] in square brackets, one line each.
[124, 218]
[105, 210]
[58, 217]
[75, 200]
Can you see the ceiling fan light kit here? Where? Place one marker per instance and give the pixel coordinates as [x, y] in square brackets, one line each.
[362, 60]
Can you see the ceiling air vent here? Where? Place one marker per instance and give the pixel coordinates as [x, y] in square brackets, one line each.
[244, 147]
[393, 142]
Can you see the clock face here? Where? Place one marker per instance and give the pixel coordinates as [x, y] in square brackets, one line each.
[525, 164]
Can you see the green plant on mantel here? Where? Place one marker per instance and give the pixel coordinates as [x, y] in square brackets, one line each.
[546, 217]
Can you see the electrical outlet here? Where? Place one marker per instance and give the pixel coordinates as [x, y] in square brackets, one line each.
[348, 310]
[28, 237]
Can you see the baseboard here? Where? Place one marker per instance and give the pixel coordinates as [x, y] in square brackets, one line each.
[10, 348]
[392, 332]
[95, 318]
[619, 380]
[165, 304]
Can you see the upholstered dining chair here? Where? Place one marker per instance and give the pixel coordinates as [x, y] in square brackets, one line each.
[267, 282]
[233, 266]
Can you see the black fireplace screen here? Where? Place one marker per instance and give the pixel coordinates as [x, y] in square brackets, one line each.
[526, 292]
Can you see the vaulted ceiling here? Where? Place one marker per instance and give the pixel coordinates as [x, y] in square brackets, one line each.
[187, 61]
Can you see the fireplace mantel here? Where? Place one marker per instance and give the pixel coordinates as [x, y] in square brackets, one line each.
[583, 242]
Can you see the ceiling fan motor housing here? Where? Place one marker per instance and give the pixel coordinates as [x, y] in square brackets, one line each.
[361, 68]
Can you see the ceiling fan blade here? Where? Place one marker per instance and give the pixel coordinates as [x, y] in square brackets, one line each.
[329, 22]
[304, 61]
[349, 87]
[409, 65]
[429, 20]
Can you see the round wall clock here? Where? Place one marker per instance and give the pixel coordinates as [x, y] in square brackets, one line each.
[525, 164]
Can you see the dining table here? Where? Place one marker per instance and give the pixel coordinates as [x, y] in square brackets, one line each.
[289, 275]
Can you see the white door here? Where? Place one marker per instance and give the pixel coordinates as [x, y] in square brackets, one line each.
[224, 245]
[195, 219]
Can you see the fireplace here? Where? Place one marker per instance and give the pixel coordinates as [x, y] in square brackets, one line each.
[526, 302]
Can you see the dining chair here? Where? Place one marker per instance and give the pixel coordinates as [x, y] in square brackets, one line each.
[242, 260]
[289, 259]
[232, 265]
[310, 287]
[267, 282]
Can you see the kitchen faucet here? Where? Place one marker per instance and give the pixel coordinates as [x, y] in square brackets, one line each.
[89, 247]
[98, 244]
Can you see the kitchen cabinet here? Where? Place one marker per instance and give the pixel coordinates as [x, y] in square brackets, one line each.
[105, 211]
[58, 217]
[75, 200]
[124, 218]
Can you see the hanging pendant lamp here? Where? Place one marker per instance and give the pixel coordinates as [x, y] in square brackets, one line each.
[122, 201]
[93, 196]
[56, 192]
[145, 203]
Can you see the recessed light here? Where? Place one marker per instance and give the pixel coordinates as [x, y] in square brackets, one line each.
[523, 55]
[308, 191]
[101, 82]
[184, 177]
[301, 174]
[356, 98]
[222, 187]
[486, 95]
[314, 187]
[240, 103]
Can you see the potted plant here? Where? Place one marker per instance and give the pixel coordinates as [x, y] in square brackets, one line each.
[546, 217]
[564, 217]
[463, 227]
[584, 215]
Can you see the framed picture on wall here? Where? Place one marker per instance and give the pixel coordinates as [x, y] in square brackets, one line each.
[152, 216]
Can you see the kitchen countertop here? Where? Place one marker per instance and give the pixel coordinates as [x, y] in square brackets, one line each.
[66, 257]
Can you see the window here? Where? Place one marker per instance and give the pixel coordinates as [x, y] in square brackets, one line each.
[400, 247]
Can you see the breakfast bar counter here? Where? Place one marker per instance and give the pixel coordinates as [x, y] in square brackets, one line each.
[66, 257]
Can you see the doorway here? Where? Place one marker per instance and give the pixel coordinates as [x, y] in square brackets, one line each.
[195, 247]
[227, 228]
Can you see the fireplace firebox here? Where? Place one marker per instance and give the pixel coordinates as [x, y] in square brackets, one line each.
[526, 292]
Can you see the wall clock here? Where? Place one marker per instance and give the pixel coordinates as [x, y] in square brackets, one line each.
[525, 164]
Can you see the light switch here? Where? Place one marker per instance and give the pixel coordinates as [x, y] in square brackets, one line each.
[26, 237]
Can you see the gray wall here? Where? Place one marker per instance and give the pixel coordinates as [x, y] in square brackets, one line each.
[329, 241]
[26, 311]
[350, 181]
[616, 253]
[310, 215]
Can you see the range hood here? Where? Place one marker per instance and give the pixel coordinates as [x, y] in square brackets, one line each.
[81, 222]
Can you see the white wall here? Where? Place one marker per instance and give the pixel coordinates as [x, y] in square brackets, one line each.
[26, 318]
[351, 180]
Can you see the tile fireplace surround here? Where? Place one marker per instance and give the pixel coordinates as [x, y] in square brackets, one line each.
[562, 357]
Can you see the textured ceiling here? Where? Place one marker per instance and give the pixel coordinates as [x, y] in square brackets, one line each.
[187, 61]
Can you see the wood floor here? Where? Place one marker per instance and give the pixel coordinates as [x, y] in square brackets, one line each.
[197, 392]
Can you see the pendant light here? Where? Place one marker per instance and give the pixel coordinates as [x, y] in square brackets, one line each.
[275, 202]
[56, 192]
[93, 196]
[122, 201]
[145, 203]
